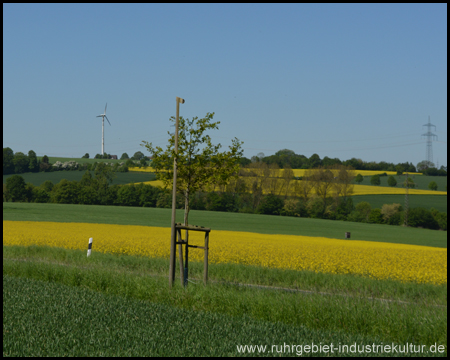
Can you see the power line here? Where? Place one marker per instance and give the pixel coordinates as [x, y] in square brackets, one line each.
[430, 136]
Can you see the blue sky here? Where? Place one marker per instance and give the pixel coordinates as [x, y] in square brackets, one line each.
[337, 80]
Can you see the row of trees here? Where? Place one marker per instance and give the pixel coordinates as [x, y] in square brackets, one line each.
[138, 155]
[18, 163]
[97, 190]
[286, 157]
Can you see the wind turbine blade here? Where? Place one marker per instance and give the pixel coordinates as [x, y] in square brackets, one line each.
[105, 107]
[108, 120]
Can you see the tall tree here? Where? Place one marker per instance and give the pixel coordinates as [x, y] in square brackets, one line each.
[343, 178]
[323, 184]
[15, 186]
[314, 161]
[33, 165]
[199, 163]
[8, 161]
[21, 163]
[287, 176]
[138, 155]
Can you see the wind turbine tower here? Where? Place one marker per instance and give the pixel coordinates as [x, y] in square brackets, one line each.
[103, 116]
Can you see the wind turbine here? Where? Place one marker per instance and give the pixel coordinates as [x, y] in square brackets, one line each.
[103, 116]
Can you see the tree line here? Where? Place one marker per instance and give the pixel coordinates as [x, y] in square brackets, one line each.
[323, 194]
[286, 157]
[20, 163]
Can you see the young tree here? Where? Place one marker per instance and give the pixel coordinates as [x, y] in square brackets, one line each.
[33, 163]
[359, 178]
[375, 180]
[199, 162]
[432, 185]
[391, 181]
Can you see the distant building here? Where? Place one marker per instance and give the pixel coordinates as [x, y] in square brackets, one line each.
[114, 157]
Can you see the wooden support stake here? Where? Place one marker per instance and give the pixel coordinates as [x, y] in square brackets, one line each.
[205, 270]
[186, 266]
[180, 257]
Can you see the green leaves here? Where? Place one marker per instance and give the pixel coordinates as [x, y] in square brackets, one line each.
[199, 162]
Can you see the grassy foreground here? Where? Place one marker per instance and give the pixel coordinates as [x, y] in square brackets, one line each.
[264, 224]
[95, 324]
[121, 305]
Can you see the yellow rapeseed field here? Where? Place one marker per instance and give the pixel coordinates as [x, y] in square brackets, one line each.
[373, 259]
[301, 172]
[377, 190]
[143, 169]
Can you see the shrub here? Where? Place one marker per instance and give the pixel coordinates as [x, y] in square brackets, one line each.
[47, 185]
[432, 185]
[441, 219]
[375, 217]
[389, 210]
[359, 178]
[420, 217]
[375, 180]
[391, 181]
[395, 219]
[344, 208]
[88, 196]
[66, 192]
[221, 202]
[127, 196]
[270, 205]
[363, 210]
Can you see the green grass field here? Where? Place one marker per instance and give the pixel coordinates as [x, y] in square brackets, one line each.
[58, 302]
[439, 202]
[110, 301]
[421, 181]
[78, 321]
[265, 224]
[55, 177]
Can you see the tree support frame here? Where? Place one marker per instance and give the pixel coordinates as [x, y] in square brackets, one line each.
[180, 242]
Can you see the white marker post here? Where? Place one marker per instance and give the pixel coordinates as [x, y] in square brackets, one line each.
[89, 247]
